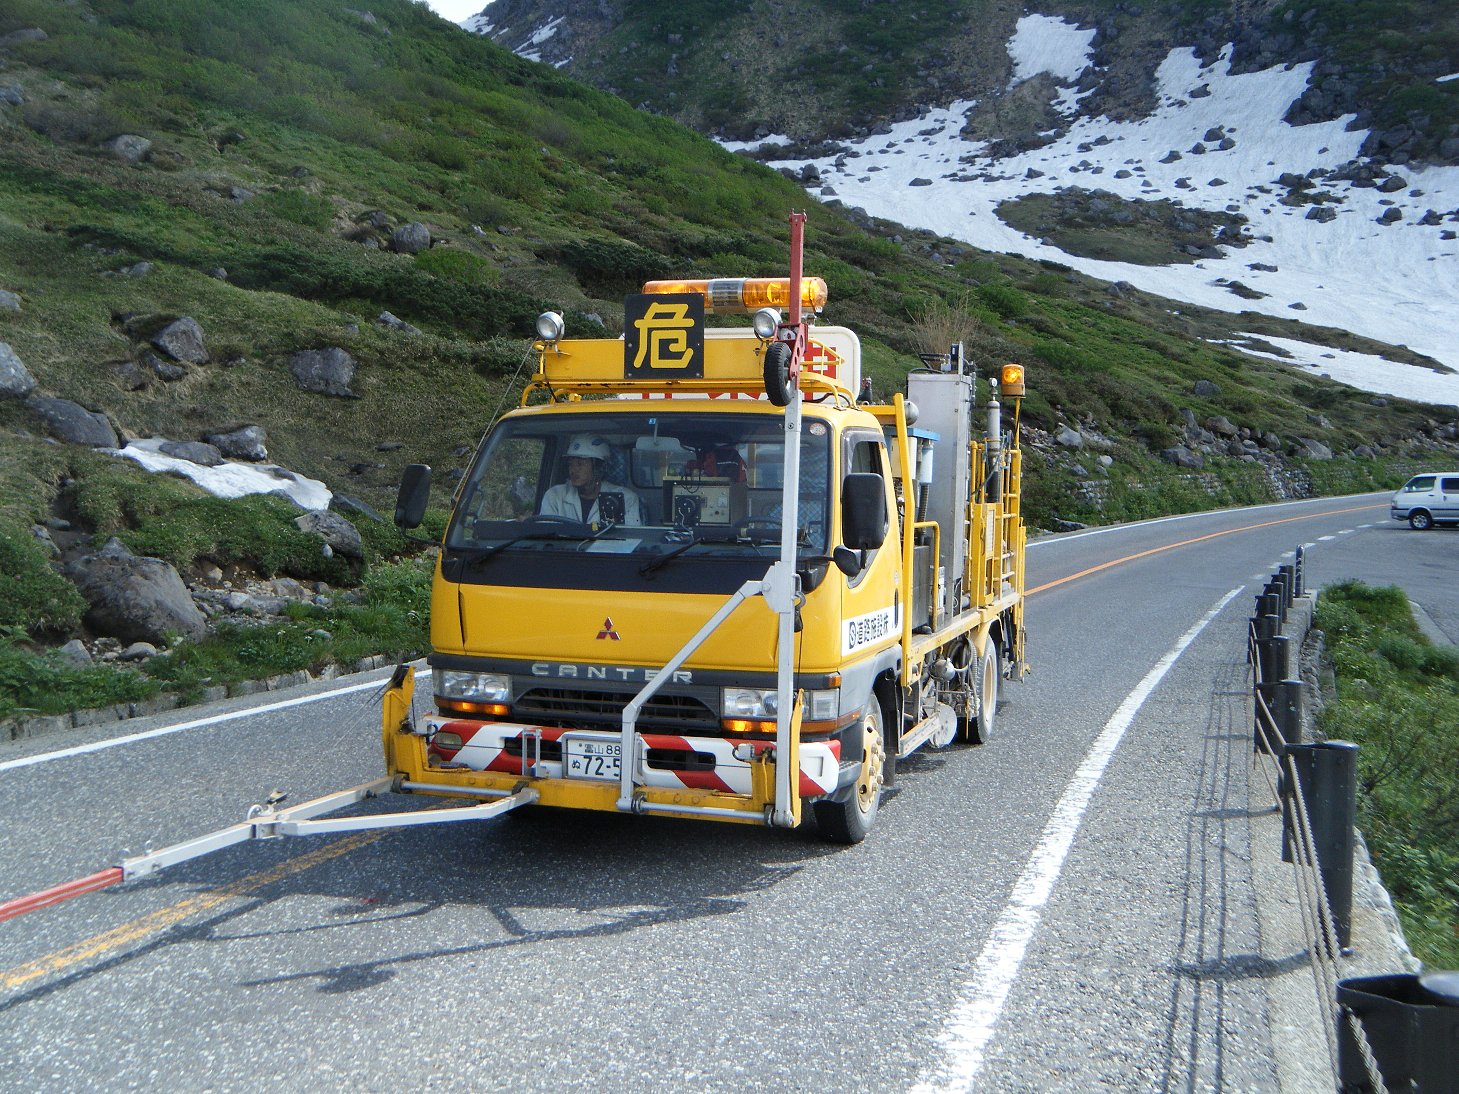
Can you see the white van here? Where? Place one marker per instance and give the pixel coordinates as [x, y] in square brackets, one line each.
[1427, 500]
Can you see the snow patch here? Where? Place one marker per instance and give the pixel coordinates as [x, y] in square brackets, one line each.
[228, 479]
[1046, 43]
[1390, 282]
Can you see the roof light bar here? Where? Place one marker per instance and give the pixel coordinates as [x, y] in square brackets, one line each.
[741, 295]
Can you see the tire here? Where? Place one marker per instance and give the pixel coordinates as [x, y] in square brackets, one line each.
[989, 673]
[849, 821]
[777, 373]
[1420, 520]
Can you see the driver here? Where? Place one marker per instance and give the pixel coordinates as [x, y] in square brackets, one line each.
[577, 499]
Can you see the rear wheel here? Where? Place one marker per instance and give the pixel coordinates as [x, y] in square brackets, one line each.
[1420, 520]
[985, 701]
[849, 821]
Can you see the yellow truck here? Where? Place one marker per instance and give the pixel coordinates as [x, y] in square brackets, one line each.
[692, 575]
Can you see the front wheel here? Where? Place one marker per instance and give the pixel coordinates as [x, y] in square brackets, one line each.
[1420, 520]
[849, 821]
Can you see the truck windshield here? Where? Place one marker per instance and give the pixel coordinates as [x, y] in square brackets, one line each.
[639, 484]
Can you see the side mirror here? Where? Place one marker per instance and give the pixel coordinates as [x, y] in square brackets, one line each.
[863, 511]
[849, 562]
[415, 491]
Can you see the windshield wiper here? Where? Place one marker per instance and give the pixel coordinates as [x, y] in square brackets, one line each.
[480, 555]
[660, 561]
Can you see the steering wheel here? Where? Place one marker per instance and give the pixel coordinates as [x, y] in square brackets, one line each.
[549, 518]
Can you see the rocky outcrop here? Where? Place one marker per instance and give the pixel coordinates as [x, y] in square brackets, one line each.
[133, 598]
[73, 423]
[182, 340]
[244, 443]
[16, 382]
[338, 533]
[410, 238]
[324, 371]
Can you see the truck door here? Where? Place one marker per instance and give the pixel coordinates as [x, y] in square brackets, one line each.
[871, 617]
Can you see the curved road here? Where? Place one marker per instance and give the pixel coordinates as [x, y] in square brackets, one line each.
[1063, 909]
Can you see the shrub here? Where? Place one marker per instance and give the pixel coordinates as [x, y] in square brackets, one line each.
[455, 265]
[300, 207]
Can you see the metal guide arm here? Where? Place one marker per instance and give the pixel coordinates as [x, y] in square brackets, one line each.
[266, 821]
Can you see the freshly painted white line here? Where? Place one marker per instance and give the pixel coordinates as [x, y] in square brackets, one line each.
[1325, 539]
[1182, 516]
[196, 723]
[964, 1039]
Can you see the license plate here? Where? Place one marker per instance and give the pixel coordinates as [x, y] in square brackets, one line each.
[592, 759]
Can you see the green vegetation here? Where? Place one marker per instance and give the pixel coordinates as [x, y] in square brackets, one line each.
[1398, 697]
[389, 613]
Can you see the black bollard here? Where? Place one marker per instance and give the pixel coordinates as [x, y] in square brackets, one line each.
[1328, 775]
[1289, 582]
[1274, 657]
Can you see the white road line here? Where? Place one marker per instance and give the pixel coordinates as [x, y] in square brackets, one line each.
[196, 723]
[964, 1039]
[1326, 539]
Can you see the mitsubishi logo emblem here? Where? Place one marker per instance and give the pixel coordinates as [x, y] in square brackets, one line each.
[608, 631]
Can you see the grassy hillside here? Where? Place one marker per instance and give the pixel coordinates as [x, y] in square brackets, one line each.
[289, 139]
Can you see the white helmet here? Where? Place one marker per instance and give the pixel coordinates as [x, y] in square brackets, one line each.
[589, 446]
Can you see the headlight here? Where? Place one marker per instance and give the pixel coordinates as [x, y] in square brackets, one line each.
[763, 704]
[750, 702]
[478, 687]
[765, 323]
[550, 326]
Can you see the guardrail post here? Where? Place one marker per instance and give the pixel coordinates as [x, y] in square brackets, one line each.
[1410, 1022]
[1277, 586]
[1289, 581]
[1274, 655]
[1299, 571]
[1327, 775]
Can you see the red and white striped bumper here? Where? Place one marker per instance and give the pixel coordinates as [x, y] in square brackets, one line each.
[708, 763]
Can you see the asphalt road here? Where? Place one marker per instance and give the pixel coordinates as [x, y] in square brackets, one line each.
[1066, 908]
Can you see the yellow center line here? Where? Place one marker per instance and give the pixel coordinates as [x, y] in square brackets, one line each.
[1196, 539]
[160, 920]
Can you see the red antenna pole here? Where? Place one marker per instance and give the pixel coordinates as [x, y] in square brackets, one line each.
[794, 320]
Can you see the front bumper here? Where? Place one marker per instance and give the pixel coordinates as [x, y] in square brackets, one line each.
[663, 761]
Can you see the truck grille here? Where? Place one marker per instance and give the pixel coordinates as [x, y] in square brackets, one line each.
[570, 707]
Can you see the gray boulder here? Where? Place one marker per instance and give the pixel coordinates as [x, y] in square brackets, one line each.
[1069, 438]
[1313, 450]
[325, 371]
[182, 340]
[244, 443]
[72, 423]
[27, 34]
[128, 147]
[16, 382]
[1221, 426]
[394, 322]
[334, 529]
[12, 95]
[135, 599]
[205, 455]
[410, 238]
[9, 301]
[1182, 456]
[1205, 389]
